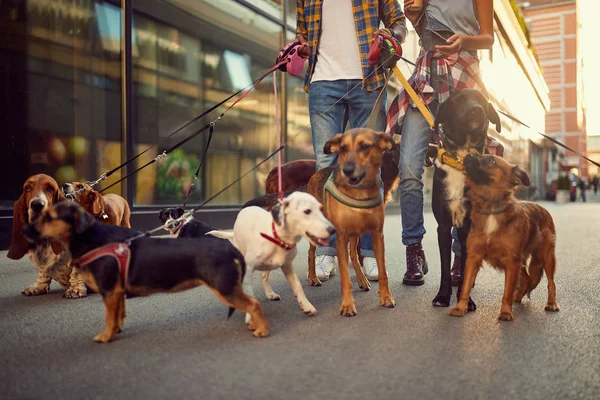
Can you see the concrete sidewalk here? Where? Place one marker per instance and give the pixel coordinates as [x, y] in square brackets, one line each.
[180, 346]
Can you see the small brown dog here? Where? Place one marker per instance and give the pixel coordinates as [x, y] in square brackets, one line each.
[506, 233]
[111, 208]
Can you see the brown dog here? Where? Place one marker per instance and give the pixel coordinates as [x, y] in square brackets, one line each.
[506, 233]
[111, 208]
[50, 258]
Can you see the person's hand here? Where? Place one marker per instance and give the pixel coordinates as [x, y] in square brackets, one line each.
[412, 16]
[386, 32]
[456, 43]
[303, 50]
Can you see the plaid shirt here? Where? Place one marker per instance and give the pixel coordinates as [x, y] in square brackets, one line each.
[459, 70]
[367, 16]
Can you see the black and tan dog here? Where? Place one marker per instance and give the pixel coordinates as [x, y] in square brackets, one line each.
[354, 199]
[506, 233]
[462, 122]
[114, 268]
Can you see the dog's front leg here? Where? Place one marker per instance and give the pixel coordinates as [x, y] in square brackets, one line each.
[290, 274]
[385, 296]
[41, 285]
[112, 304]
[348, 307]
[264, 279]
[77, 288]
[462, 237]
[511, 275]
[442, 299]
[312, 272]
[474, 261]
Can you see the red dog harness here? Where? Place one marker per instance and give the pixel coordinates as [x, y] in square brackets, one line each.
[276, 240]
[119, 251]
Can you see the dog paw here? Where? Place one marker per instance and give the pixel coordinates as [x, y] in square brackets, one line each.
[35, 290]
[472, 306]
[273, 296]
[103, 337]
[441, 301]
[363, 283]
[458, 312]
[552, 307]
[75, 293]
[310, 310]
[506, 316]
[262, 331]
[387, 301]
[314, 281]
[348, 310]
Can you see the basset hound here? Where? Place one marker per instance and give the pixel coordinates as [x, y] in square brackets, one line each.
[51, 259]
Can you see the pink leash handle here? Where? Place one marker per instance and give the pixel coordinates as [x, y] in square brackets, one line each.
[278, 123]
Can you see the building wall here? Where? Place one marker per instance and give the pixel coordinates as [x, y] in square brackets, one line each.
[554, 30]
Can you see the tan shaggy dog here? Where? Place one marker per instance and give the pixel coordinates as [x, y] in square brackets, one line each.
[507, 233]
[111, 208]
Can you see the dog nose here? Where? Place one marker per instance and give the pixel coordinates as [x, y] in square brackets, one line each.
[37, 205]
[331, 230]
[348, 169]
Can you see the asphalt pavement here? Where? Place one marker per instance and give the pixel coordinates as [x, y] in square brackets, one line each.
[181, 346]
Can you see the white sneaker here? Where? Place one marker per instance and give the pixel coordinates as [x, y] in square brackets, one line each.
[325, 267]
[370, 267]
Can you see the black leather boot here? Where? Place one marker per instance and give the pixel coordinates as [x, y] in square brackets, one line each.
[455, 271]
[416, 265]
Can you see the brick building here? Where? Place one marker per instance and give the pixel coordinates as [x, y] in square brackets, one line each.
[554, 28]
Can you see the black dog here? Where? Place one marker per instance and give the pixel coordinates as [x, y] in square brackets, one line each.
[114, 268]
[462, 123]
[189, 228]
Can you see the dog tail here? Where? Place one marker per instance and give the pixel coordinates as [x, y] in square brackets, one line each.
[220, 234]
[269, 200]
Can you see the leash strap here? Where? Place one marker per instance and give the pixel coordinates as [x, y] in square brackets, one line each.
[278, 123]
[210, 135]
[374, 113]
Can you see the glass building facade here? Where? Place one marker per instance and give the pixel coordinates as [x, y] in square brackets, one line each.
[88, 84]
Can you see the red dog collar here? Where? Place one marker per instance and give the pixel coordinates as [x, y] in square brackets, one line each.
[275, 239]
[119, 251]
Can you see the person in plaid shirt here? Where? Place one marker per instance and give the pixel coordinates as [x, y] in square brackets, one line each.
[342, 87]
[450, 33]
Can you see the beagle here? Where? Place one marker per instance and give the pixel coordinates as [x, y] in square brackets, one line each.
[111, 208]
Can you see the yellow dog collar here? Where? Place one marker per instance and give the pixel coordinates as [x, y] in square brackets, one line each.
[454, 162]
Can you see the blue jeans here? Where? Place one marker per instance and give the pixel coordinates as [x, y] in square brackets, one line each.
[331, 107]
[455, 242]
[416, 134]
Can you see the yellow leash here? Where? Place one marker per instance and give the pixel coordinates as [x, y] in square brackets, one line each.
[418, 102]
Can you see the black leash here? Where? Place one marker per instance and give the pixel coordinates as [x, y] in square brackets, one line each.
[164, 153]
[210, 135]
[515, 119]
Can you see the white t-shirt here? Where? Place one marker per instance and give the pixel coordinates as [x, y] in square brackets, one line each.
[338, 55]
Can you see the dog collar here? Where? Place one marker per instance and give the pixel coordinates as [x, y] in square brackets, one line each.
[331, 188]
[119, 251]
[493, 210]
[455, 162]
[276, 240]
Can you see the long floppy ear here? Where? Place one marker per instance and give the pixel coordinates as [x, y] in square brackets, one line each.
[276, 213]
[96, 202]
[333, 145]
[520, 177]
[58, 196]
[386, 142]
[18, 244]
[492, 115]
[83, 220]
